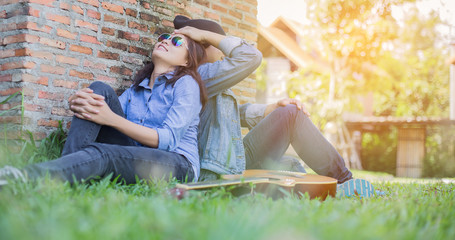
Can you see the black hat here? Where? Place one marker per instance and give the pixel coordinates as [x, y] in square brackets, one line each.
[208, 25]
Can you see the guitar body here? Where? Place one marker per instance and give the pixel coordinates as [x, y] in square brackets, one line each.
[275, 184]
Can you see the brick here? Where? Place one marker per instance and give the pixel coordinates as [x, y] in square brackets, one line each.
[139, 50]
[112, 7]
[132, 60]
[115, 20]
[90, 39]
[122, 70]
[108, 31]
[138, 26]
[133, 2]
[106, 78]
[61, 112]
[22, 52]
[242, 7]
[228, 21]
[219, 8]
[7, 2]
[52, 43]
[67, 60]
[6, 78]
[48, 3]
[97, 65]
[17, 65]
[85, 24]
[148, 17]
[66, 34]
[81, 49]
[21, 11]
[34, 26]
[78, 74]
[145, 4]
[117, 45]
[163, 11]
[51, 96]
[204, 3]
[194, 10]
[131, 12]
[93, 14]
[9, 91]
[77, 9]
[52, 69]
[33, 107]
[212, 16]
[149, 41]
[235, 14]
[94, 3]
[65, 84]
[65, 6]
[34, 79]
[58, 18]
[33, 12]
[40, 54]
[7, 53]
[20, 38]
[167, 23]
[4, 27]
[128, 35]
[47, 123]
[10, 119]
[108, 55]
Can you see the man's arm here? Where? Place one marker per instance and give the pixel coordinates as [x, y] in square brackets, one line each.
[252, 114]
[241, 59]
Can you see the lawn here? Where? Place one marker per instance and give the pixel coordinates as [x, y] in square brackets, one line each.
[409, 209]
[418, 209]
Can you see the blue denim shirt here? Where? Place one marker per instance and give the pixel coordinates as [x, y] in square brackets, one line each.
[220, 139]
[173, 111]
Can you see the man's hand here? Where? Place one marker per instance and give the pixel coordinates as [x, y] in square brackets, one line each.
[283, 102]
[85, 101]
[201, 36]
[300, 106]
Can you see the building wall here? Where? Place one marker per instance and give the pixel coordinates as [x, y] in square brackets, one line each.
[51, 48]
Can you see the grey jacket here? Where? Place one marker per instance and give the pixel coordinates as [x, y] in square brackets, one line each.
[220, 139]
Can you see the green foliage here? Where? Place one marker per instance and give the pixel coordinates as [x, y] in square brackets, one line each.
[379, 151]
[23, 151]
[439, 160]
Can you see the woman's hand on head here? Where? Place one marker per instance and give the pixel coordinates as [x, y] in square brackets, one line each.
[84, 101]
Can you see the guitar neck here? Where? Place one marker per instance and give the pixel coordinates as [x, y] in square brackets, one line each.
[220, 183]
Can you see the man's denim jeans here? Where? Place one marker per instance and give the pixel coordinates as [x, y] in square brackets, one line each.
[269, 139]
[96, 151]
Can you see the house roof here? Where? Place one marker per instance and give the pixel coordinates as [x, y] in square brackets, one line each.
[282, 35]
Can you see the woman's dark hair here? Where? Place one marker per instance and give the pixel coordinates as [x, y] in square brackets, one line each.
[196, 54]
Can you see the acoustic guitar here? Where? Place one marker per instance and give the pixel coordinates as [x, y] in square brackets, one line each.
[275, 184]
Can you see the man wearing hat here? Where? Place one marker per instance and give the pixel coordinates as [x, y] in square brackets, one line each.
[272, 127]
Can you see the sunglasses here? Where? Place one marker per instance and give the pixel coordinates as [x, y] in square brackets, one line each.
[176, 40]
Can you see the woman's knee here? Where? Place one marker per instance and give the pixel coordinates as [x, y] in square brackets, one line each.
[101, 88]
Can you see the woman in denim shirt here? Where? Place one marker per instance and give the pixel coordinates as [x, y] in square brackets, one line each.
[150, 131]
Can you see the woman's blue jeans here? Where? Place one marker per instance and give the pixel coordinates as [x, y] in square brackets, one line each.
[95, 151]
[271, 137]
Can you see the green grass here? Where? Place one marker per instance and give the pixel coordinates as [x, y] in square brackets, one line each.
[103, 210]
[47, 209]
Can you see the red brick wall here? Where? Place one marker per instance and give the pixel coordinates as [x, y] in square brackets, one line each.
[51, 48]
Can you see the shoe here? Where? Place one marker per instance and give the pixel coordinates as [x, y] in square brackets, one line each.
[8, 172]
[355, 188]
